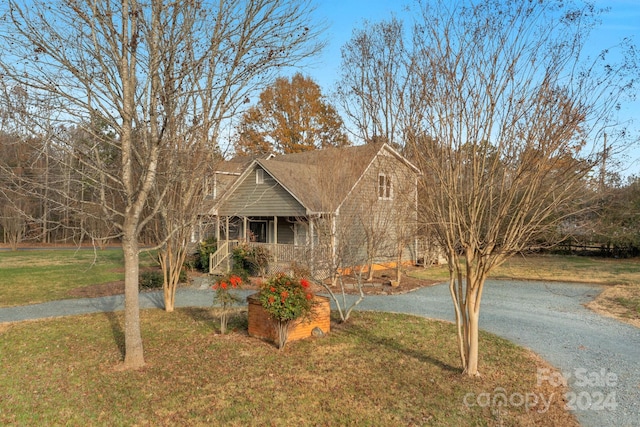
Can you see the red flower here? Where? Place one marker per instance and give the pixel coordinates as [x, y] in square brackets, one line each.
[215, 287]
[235, 281]
[272, 299]
[304, 283]
[284, 295]
[309, 296]
[223, 285]
[272, 289]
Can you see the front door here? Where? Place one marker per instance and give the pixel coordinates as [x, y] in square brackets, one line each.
[258, 231]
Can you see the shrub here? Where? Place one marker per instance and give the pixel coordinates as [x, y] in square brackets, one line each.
[254, 260]
[150, 280]
[205, 249]
[154, 279]
[225, 296]
[286, 299]
[183, 275]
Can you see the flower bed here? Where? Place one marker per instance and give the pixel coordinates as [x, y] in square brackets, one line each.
[261, 325]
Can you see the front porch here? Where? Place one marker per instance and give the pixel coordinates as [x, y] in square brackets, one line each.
[282, 257]
[288, 240]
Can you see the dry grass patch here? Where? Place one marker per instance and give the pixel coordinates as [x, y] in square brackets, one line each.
[380, 369]
[620, 302]
[581, 269]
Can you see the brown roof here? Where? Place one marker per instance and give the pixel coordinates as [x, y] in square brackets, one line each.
[321, 179]
[239, 163]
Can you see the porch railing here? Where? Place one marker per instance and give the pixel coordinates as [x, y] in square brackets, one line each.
[282, 255]
[222, 254]
[282, 252]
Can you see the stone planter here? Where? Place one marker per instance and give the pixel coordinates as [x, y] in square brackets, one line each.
[260, 324]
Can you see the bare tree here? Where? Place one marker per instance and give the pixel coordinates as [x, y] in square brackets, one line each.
[12, 222]
[496, 103]
[152, 72]
[508, 105]
[335, 259]
[374, 82]
[191, 161]
[369, 204]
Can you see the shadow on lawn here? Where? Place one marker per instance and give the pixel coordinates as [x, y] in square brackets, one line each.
[369, 335]
[108, 307]
[237, 318]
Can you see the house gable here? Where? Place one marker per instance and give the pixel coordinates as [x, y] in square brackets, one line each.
[257, 193]
[381, 205]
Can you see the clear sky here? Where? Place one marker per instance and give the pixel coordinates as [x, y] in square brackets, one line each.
[343, 16]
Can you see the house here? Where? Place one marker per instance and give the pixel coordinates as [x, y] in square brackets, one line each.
[326, 209]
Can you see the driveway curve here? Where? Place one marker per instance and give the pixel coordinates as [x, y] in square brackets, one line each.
[599, 357]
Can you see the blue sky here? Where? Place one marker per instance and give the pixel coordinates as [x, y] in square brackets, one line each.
[343, 16]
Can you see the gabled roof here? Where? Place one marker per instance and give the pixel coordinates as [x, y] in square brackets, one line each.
[238, 164]
[321, 179]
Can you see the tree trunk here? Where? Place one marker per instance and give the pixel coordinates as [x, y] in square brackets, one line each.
[399, 262]
[475, 285]
[459, 315]
[134, 355]
[172, 258]
[472, 342]
[169, 298]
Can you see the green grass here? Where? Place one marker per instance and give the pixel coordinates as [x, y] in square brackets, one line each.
[581, 269]
[379, 369]
[30, 277]
[631, 304]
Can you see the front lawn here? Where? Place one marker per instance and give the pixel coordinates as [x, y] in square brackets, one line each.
[380, 369]
[33, 276]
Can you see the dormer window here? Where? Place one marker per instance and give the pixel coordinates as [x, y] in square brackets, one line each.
[259, 176]
[384, 187]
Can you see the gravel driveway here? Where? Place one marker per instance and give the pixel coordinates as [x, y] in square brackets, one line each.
[598, 356]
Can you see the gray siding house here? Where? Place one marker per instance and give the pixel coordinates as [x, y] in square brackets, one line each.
[328, 209]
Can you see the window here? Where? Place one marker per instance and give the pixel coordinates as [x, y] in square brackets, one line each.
[259, 176]
[384, 187]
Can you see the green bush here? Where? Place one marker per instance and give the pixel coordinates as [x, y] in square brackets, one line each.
[150, 280]
[205, 249]
[254, 260]
[154, 279]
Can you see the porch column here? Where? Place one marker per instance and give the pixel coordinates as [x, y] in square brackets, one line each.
[334, 252]
[310, 244]
[244, 229]
[275, 239]
[217, 229]
[227, 239]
